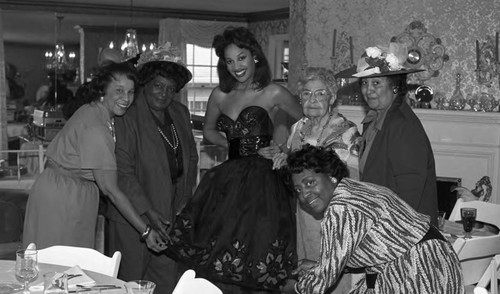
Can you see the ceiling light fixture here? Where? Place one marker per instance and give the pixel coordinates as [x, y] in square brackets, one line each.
[130, 47]
[59, 66]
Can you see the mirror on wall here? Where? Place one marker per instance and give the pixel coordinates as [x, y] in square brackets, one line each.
[425, 51]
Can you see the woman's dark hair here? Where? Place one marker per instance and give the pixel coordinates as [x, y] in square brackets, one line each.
[104, 76]
[399, 82]
[243, 38]
[317, 159]
[169, 70]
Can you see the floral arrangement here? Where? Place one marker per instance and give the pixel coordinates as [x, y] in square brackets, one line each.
[385, 61]
[381, 60]
[166, 52]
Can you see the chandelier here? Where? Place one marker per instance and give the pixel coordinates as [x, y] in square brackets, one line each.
[130, 46]
[57, 62]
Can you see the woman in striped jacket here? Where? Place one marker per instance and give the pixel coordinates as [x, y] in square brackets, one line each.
[367, 228]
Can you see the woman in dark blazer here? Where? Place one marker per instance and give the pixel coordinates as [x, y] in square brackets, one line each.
[157, 165]
[396, 152]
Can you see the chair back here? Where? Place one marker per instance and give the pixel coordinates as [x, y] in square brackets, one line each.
[486, 212]
[86, 258]
[475, 255]
[188, 284]
[490, 277]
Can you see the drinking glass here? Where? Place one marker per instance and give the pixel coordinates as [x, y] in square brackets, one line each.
[26, 267]
[468, 220]
[441, 219]
[140, 287]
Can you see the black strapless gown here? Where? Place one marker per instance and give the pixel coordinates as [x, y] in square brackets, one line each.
[239, 228]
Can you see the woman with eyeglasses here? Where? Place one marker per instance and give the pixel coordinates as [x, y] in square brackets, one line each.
[321, 125]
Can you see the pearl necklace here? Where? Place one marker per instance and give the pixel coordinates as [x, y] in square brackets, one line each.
[176, 139]
[309, 131]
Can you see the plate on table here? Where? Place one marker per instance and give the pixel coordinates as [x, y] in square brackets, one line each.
[10, 288]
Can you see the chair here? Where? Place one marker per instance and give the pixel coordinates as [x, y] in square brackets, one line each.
[86, 258]
[476, 254]
[188, 284]
[490, 276]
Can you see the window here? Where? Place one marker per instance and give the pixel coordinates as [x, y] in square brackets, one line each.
[202, 62]
[278, 55]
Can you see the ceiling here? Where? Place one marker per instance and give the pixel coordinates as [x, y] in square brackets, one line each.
[35, 21]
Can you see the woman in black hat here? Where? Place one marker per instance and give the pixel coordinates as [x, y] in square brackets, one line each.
[157, 164]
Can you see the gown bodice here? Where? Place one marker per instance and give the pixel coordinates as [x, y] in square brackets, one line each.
[252, 130]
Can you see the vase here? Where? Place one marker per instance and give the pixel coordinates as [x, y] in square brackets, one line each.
[457, 100]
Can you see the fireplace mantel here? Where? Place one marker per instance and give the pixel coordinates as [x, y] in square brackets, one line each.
[466, 144]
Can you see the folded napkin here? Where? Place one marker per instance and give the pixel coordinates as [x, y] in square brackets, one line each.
[76, 276]
[80, 278]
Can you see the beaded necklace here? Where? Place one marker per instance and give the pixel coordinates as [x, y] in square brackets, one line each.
[174, 133]
[309, 131]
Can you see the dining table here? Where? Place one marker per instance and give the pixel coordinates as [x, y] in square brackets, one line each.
[452, 230]
[7, 276]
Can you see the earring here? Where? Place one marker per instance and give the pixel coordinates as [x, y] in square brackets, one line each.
[334, 180]
[395, 90]
[255, 60]
[101, 99]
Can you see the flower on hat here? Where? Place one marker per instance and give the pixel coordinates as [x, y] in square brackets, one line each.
[376, 60]
[373, 52]
[166, 52]
[393, 62]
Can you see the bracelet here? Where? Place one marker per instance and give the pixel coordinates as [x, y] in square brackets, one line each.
[146, 232]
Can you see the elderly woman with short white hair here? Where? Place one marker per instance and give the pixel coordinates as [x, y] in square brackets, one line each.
[322, 125]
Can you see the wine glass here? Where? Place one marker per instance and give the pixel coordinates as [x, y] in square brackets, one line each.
[26, 267]
[468, 219]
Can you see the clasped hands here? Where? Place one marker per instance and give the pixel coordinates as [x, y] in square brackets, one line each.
[290, 284]
[275, 153]
[158, 239]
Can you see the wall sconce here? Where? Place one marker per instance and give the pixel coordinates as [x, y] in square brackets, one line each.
[487, 61]
[342, 52]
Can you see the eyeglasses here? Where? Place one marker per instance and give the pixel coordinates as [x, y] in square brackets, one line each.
[164, 88]
[320, 94]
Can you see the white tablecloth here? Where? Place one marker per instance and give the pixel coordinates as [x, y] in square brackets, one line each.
[7, 274]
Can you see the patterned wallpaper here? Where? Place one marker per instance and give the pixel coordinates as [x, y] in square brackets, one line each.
[263, 29]
[457, 23]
